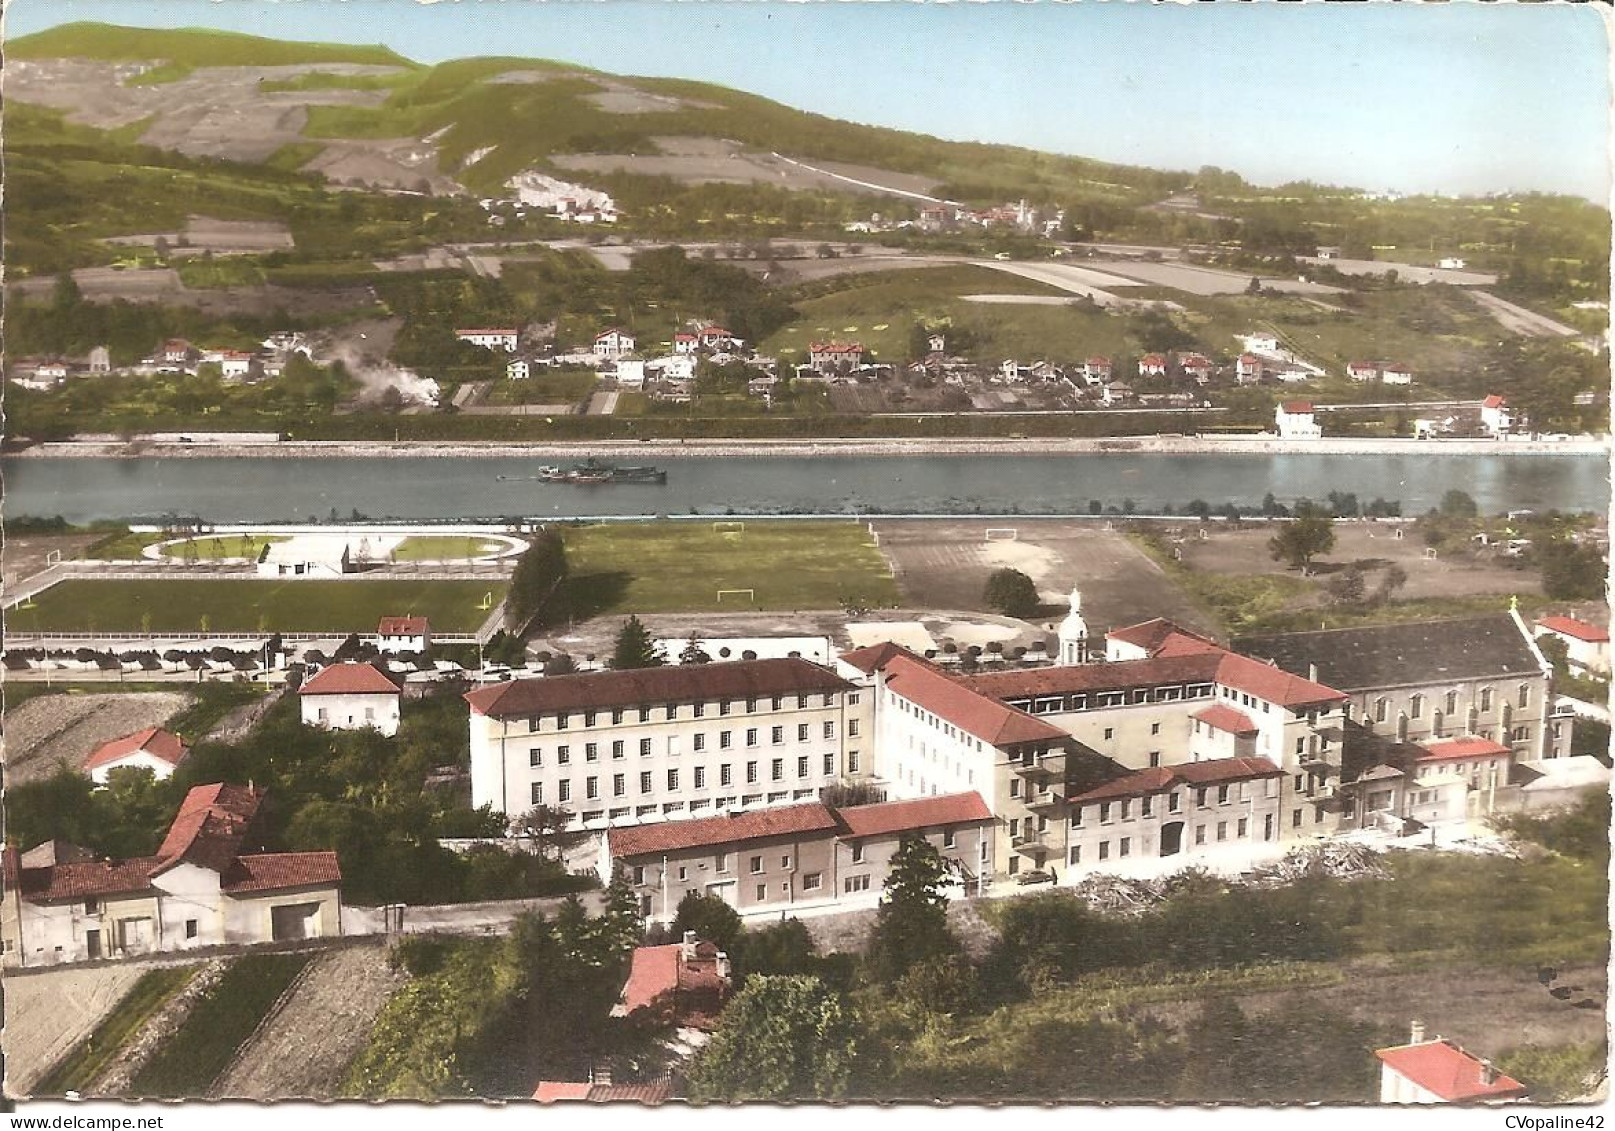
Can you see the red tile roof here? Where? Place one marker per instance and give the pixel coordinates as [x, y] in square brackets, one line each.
[976, 712]
[1150, 635]
[1119, 676]
[1441, 750]
[1099, 362]
[96, 879]
[1580, 629]
[553, 1091]
[836, 347]
[349, 679]
[656, 972]
[871, 658]
[1447, 1071]
[1273, 684]
[1494, 401]
[1223, 717]
[680, 683]
[1297, 406]
[910, 816]
[155, 741]
[731, 828]
[1214, 772]
[211, 823]
[272, 871]
[614, 330]
[403, 626]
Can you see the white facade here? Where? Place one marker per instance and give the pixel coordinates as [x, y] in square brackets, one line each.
[1074, 632]
[673, 368]
[1496, 417]
[613, 344]
[161, 768]
[501, 339]
[376, 711]
[1296, 422]
[669, 761]
[519, 370]
[1397, 376]
[631, 373]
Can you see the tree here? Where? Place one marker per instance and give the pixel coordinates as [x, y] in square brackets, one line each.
[1571, 572]
[1200, 509]
[911, 926]
[1458, 504]
[780, 1038]
[710, 917]
[694, 653]
[1254, 287]
[1390, 581]
[1302, 539]
[636, 647]
[1011, 592]
[1348, 587]
[539, 570]
[548, 828]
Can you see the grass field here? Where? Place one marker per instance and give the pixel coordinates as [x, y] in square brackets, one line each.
[188, 1063]
[224, 605]
[81, 1066]
[223, 272]
[679, 567]
[437, 548]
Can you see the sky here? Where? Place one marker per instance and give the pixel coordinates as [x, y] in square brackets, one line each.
[1456, 98]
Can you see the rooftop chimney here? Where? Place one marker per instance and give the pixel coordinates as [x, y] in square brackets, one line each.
[1312, 672]
[1416, 1037]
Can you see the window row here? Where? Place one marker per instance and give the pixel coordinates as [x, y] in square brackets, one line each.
[644, 713]
[674, 779]
[618, 748]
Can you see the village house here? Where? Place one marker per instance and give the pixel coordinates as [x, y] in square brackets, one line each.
[717, 338]
[403, 634]
[519, 370]
[500, 338]
[685, 343]
[1096, 370]
[677, 367]
[350, 696]
[613, 343]
[1262, 343]
[1362, 371]
[153, 749]
[1197, 366]
[1452, 263]
[1295, 421]
[621, 747]
[1441, 1072]
[1115, 393]
[1396, 374]
[682, 984]
[1152, 365]
[100, 361]
[205, 886]
[176, 352]
[1496, 417]
[1586, 645]
[1248, 369]
[630, 373]
[834, 357]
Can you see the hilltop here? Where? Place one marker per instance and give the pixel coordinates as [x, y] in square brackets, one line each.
[190, 47]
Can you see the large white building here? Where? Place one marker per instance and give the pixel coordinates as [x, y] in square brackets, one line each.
[622, 747]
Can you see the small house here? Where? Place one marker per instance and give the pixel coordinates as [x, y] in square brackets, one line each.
[685, 343]
[1441, 1072]
[350, 696]
[1248, 369]
[1397, 374]
[1152, 365]
[153, 749]
[1586, 645]
[1296, 421]
[499, 338]
[613, 343]
[1496, 417]
[404, 634]
[1362, 371]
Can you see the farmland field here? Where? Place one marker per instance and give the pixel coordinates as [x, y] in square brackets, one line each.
[679, 567]
[227, 605]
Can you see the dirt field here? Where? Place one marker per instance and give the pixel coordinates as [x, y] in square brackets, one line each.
[222, 237]
[305, 1048]
[1518, 320]
[49, 1012]
[1372, 545]
[25, 554]
[1207, 281]
[945, 565]
[61, 730]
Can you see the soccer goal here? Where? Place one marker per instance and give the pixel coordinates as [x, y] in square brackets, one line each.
[750, 595]
[53, 558]
[728, 528]
[1002, 534]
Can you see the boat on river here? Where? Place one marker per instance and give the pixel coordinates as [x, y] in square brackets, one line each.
[593, 472]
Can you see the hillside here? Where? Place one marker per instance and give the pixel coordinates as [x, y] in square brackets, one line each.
[484, 119]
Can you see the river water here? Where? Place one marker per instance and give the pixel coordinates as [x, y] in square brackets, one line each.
[296, 489]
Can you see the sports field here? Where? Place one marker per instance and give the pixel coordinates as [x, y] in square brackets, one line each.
[247, 606]
[443, 548]
[668, 567]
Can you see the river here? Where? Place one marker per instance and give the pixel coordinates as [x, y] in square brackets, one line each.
[281, 489]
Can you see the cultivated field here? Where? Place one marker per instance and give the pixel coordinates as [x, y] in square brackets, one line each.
[232, 605]
[1372, 546]
[945, 564]
[305, 1049]
[52, 731]
[709, 160]
[679, 567]
[49, 1012]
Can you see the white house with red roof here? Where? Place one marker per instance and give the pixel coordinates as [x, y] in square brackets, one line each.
[494, 338]
[403, 634]
[1362, 371]
[1296, 421]
[831, 357]
[686, 343]
[205, 886]
[1586, 645]
[1096, 370]
[1248, 369]
[1152, 365]
[1197, 366]
[613, 343]
[1441, 1072]
[153, 749]
[717, 338]
[351, 696]
[1496, 417]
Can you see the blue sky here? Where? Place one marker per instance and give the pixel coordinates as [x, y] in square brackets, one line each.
[1457, 97]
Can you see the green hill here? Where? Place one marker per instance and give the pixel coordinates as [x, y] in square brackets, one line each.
[191, 47]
